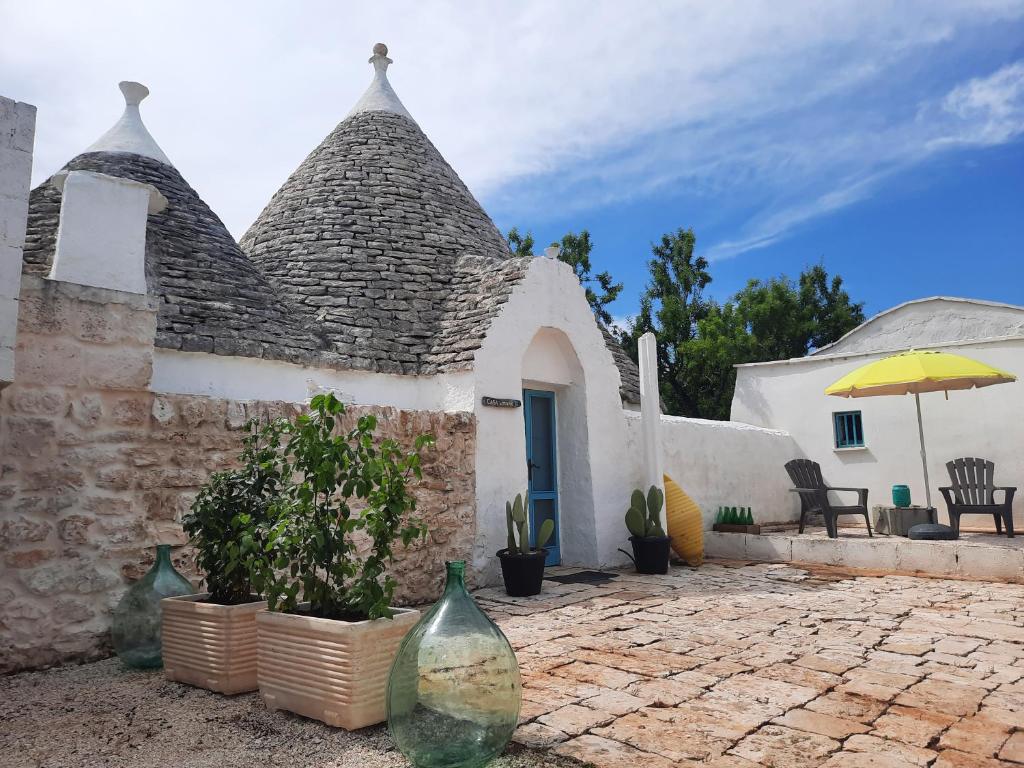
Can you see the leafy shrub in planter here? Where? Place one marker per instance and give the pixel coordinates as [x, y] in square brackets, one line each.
[342, 486]
[228, 519]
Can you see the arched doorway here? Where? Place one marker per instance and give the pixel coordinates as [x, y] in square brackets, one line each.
[557, 445]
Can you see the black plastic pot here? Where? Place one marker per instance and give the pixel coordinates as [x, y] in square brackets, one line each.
[650, 553]
[523, 574]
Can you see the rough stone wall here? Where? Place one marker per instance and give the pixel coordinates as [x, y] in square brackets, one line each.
[95, 470]
[17, 129]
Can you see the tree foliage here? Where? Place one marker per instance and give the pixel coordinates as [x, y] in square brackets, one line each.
[671, 307]
[346, 486]
[699, 341]
[574, 250]
[228, 519]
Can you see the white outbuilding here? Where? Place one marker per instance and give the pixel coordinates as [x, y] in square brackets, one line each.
[873, 442]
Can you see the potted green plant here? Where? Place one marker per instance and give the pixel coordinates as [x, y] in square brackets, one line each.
[209, 639]
[643, 520]
[522, 566]
[328, 639]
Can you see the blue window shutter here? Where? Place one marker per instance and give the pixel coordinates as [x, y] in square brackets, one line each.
[848, 428]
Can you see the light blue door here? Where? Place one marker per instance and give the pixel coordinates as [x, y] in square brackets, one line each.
[542, 466]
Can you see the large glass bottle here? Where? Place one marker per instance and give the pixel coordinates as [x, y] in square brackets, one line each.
[135, 627]
[454, 690]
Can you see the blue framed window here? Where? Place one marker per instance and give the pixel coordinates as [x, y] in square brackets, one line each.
[848, 429]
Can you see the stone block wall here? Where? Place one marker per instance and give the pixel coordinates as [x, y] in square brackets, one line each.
[95, 469]
[17, 131]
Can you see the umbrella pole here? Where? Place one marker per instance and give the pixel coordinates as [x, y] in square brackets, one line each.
[924, 454]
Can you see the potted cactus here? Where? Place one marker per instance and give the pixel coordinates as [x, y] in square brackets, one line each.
[650, 544]
[522, 566]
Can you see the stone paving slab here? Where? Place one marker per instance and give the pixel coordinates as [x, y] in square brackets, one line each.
[729, 665]
[744, 665]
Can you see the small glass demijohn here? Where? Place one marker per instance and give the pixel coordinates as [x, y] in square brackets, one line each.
[454, 691]
[135, 628]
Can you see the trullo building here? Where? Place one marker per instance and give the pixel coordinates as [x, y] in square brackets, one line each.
[140, 336]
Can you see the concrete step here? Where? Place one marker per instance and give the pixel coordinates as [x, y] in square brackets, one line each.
[983, 557]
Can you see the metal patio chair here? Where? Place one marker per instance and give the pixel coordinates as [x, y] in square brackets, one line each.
[806, 476]
[973, 493]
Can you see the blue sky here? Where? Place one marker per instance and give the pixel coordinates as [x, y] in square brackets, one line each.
[935, 208]
[953, 226]
[883, 138]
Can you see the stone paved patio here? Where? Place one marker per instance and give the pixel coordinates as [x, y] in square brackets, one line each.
[730, 665]
[770, 665]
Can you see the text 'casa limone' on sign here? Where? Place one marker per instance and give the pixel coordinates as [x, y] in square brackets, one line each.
[501, 402]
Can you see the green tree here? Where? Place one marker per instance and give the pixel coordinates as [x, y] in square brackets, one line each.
[833, 313]
[700, 341]
[519, 244]
[671, 307]
[574, 250]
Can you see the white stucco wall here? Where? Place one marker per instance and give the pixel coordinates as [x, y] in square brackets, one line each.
[101, 239]
[725, 463]
[547, 310]
[244, 378]
[17, 132]
[926, 322]
[985, 422]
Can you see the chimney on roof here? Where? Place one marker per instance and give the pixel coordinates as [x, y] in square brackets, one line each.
[129, 133]
[380, 96]
[101, 236]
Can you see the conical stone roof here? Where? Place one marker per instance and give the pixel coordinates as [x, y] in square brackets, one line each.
[212, 298]
[383, 249]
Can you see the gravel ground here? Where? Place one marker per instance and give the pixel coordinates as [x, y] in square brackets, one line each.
[103, 715]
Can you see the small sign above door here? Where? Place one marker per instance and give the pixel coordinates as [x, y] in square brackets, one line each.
[501, 402]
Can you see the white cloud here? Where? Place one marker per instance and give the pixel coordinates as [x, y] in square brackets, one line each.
[539, 106]
[983, 111]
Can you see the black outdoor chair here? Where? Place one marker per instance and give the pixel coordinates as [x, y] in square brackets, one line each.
[973, 493]
[806, 476]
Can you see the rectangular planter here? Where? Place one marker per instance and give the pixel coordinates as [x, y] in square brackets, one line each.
[208, 645]
[332, 671]
[729, 528]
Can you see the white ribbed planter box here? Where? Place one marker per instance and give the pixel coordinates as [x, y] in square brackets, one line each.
[332, 671]
[208, 645]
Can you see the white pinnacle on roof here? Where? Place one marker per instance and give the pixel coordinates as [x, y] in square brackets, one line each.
[129, 134]
[380, 96]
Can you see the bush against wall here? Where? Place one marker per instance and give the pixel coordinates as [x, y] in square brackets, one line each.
[342, 486]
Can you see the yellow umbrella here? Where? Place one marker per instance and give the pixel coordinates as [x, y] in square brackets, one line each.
[915, 372]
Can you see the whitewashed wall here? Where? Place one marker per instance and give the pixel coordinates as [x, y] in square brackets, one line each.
[17, 132]
[546, 336]
[925, 322]
[246, 378]
[985, 422]
[723, 463]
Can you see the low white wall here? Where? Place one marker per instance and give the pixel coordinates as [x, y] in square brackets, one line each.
[17, 131]
[723, 463]
[984, 422]
[243, 378]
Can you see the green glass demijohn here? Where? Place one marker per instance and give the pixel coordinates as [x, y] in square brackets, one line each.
[454, 691]
[135, 627]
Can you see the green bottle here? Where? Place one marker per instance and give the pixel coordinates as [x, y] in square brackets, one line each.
[454, 690]
[135, 625]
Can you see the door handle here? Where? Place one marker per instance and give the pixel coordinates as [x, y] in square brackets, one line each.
[530, 466]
